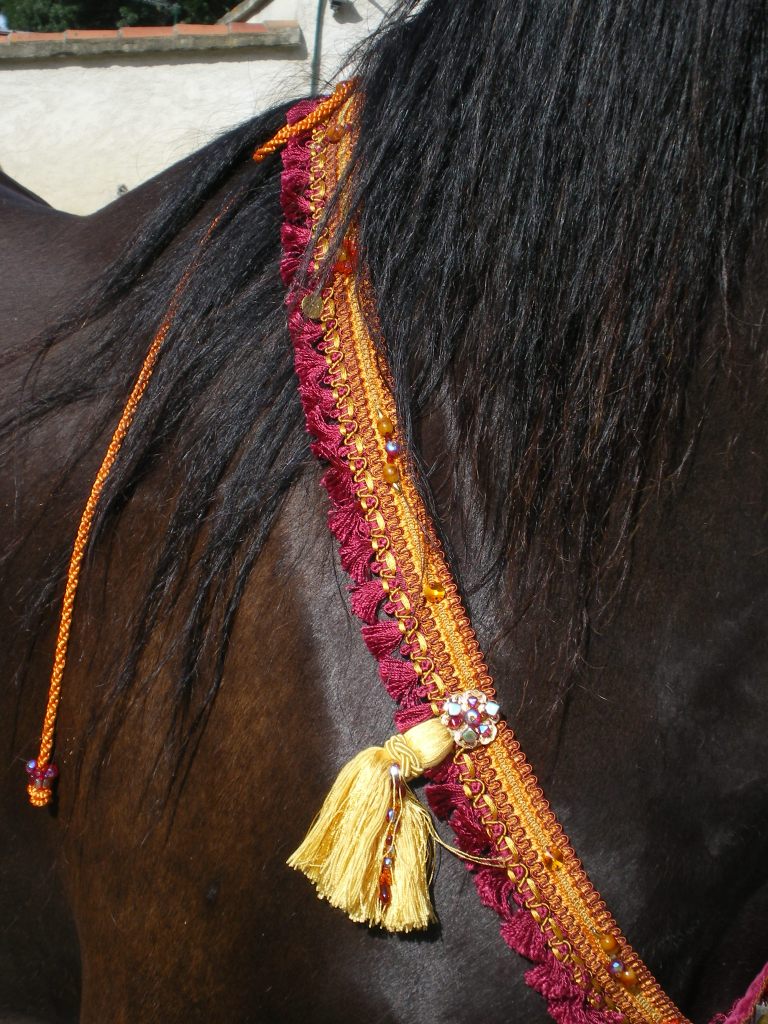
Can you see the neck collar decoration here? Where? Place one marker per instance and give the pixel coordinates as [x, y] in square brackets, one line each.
[368, 851]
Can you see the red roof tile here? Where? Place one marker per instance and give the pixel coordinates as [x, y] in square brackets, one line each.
[33, 37]
[145, 31]
[90, 33]
[201, 30]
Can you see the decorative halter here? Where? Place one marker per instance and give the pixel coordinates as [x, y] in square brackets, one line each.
[368, 851]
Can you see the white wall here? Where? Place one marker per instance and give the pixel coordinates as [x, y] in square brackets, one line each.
[73, 132]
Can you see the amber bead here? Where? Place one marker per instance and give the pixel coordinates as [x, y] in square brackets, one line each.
[553, 857]
[335, 132]
[608, 943]
[384, 425]
[391, 473]
[628, 977]
[434, 592]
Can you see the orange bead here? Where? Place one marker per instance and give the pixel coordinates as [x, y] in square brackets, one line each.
[608, 943]
[553, 857]
[335, 132]
[433, 592]
[391, 473]
[628, 977]
[384, 425]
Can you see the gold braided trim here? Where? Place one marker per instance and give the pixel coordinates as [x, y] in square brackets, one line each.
[497, 779]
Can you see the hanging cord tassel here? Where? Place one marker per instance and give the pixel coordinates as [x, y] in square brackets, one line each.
[42, 771]
[369, 851]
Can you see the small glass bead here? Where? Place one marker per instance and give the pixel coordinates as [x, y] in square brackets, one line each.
[335, 132]
[384, 425]
[553, 857]
[434, 592]
[628, 977]
[608, 943]
[469, 738]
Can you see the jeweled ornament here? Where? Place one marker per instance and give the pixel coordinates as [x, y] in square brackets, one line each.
[471, 718]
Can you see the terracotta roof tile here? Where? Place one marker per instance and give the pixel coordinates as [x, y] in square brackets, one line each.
[201, 30]
[33, 37]
[90, 33]
[145, 31]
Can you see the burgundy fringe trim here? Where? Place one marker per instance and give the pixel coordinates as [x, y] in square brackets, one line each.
[566, 1001]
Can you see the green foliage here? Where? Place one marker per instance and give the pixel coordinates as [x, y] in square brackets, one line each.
[39, 15]
[55, 16]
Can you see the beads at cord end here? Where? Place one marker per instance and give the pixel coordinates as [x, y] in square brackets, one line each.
[41, 778]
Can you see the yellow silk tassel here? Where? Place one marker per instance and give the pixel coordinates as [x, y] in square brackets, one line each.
[370, 816]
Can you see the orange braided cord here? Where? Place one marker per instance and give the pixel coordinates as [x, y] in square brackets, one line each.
[318, 115]
[39, 796]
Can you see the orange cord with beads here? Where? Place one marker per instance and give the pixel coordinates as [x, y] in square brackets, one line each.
[40, 795]
[39, 789]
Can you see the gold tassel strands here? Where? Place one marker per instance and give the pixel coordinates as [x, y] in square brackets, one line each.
[369, 850]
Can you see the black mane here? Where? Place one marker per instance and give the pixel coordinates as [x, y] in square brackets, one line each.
[555, 201]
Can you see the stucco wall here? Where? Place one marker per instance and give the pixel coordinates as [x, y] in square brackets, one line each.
[75, 130]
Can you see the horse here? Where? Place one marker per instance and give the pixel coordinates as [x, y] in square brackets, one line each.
[562, 210]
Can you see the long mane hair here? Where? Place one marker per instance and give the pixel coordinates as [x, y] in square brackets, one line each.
[555, 201]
